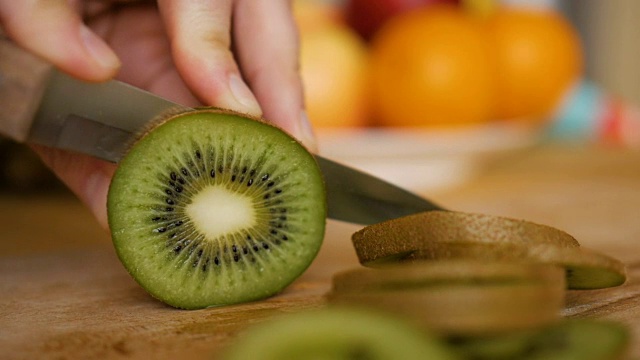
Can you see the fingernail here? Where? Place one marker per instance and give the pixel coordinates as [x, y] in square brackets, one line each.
[243, 95]
[306, 134]
[98, 49]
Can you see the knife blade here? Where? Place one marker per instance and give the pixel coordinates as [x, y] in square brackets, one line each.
[102, 119]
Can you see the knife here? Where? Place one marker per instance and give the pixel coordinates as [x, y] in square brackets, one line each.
[47, 107]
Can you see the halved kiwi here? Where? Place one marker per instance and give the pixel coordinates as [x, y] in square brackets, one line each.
[585, 268]
[458, 296]
[404, 235]
[213, 208]
[567, 340]
[337, 333]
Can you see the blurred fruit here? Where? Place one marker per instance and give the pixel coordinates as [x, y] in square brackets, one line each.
[333, 64]
[432, 66]
[538, 57]
[480, 7]
[367, 16]
[314, 14]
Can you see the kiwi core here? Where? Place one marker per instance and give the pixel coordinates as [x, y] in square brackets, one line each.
[217, 211]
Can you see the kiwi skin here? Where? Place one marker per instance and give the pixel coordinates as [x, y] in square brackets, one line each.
[232, 272]
[406, 234]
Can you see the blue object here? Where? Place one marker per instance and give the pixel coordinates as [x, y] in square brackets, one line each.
[579, 114]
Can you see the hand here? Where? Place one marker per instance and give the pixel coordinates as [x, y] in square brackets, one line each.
[179, 49]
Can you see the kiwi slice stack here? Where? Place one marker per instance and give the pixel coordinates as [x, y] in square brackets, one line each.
[461, 297]
[212, 208]
[438, 235]
[337, 333]
[480, 278]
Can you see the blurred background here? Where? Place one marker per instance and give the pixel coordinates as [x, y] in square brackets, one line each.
[609, 31]
[425, 93]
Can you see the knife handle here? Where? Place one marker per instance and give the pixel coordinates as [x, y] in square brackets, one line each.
[23, 78]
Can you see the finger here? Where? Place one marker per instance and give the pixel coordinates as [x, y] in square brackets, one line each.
[199, 31]
[266, 40]
[138, 36]
[53, 30]
[86, 176]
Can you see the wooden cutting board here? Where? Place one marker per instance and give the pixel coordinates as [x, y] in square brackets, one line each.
[64, 294]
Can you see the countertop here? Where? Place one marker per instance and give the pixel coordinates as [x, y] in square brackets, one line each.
[64, 294]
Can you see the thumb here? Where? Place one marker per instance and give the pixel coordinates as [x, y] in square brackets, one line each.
[53, 30]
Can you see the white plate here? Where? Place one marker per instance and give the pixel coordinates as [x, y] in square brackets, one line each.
[424, 159]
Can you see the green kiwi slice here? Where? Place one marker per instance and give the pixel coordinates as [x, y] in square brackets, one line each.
[567, 340]
[585, 268]
[404, 235]
[458, 296]
[213, 208]
[337, 333]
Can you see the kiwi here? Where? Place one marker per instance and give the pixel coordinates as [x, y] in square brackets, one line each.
[213, 208]
[458, 296]
[567, 340]
[404, 235]
[585, 268]
[337, 333]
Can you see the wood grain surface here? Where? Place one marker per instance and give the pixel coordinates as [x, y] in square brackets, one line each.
[64, 294]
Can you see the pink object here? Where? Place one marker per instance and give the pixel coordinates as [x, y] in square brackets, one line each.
[590, 113]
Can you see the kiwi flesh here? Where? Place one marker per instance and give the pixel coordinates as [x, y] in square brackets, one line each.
[337, 333]
[406, 234]
[585, 268]
[458, 296]
[582, 339]
[213, 208]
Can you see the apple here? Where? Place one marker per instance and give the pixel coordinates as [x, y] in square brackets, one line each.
[367, 16]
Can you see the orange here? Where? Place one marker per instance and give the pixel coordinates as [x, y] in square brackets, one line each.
[431, 67]
[333, 63]
[538, 58]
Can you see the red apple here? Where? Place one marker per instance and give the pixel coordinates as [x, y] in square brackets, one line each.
[367, 16]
